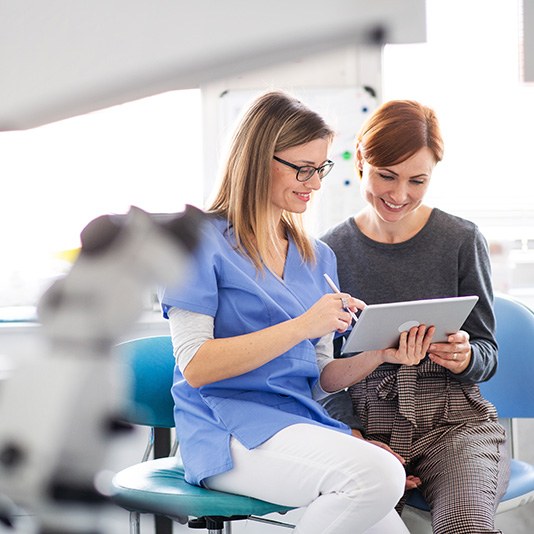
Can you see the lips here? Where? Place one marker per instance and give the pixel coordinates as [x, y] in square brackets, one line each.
[393, 206]
[303, 196]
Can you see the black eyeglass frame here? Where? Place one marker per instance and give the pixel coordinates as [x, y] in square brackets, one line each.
[328, 165]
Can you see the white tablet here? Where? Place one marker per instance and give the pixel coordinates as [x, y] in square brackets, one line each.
[380, 325]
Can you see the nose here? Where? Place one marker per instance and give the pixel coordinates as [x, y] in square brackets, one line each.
[397, 193]
[314, 182]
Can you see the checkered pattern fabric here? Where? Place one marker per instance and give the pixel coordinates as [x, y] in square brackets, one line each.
[448, 434]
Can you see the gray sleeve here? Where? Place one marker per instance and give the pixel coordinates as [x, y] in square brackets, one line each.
[189, 330]
[475, 279]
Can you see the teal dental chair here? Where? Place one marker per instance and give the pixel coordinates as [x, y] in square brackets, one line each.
[157, 486]
[511, 391]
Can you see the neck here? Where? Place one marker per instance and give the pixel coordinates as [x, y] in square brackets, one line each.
[392, 232]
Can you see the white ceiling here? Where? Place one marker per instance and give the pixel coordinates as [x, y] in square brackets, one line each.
[60, 58]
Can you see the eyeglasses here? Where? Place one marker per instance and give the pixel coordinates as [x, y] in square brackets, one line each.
[306, 172]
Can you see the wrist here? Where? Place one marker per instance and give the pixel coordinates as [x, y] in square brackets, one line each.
[378, 357]
[465, 364]
[297, 329]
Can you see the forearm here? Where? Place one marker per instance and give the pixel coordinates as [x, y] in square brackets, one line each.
[343, 372]
[222, 358]
[218, 359]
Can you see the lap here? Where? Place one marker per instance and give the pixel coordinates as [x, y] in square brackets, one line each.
[301, 462]
[470, 461]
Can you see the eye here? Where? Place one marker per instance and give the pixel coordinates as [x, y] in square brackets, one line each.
[325, 169]
[387, 177]
[417, 181]
[305, 173]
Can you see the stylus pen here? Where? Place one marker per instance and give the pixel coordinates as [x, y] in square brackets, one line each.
[335, 289]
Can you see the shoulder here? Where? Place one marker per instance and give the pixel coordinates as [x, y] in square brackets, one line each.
[213, 250]
[197, 291]
[214, 233]
[459, 234]
[449, 220]
[452, 224]
[322, 250]
[338, 233]
[214, 226]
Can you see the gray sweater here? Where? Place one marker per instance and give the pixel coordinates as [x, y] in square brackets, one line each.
[448, 257]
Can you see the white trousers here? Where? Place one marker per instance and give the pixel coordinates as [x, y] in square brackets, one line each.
[346, 484]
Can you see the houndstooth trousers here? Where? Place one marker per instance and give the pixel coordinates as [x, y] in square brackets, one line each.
[448, 434]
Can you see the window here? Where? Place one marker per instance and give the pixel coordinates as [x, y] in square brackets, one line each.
[60, 176]
[469, 72]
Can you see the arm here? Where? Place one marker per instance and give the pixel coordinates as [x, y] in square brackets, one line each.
[482, 365]
[339, 404]
[189, 330]
[471, 354]
[343, 372]
[221, 358]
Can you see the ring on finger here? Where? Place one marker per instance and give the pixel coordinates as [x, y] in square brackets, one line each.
[455, 355]
[344, 303]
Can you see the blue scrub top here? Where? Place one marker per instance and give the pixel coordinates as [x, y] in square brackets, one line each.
[254, 406]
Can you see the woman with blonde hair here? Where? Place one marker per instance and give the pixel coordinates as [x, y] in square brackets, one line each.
[252, 332]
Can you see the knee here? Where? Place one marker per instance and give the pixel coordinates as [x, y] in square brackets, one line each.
[382, 479]
[388, 477]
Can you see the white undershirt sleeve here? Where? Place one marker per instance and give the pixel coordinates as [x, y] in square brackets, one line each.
[325, 353]
[189, 330]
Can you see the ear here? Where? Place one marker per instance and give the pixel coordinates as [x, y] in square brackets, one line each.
[359, 159]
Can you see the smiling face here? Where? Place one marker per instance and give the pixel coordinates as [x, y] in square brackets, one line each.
[287, 192]
[396, 191]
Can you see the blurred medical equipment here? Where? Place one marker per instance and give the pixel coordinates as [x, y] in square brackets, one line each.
[81, 60]
[59, 413]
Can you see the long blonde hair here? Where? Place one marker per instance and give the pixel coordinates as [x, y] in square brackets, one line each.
[274, 122]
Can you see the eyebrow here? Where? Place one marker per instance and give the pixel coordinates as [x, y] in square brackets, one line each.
[422, 175]
[312, 163]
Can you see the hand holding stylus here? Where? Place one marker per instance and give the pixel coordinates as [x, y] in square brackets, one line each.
[335, 289]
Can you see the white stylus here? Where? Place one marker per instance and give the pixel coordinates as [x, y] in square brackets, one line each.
[335, 289]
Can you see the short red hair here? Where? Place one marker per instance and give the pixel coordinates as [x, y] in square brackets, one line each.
[396, 131]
